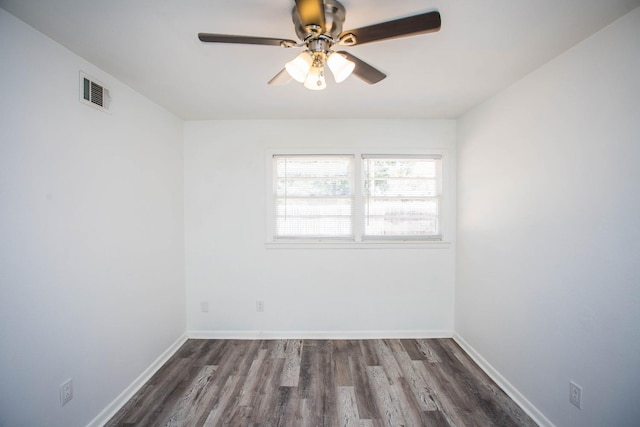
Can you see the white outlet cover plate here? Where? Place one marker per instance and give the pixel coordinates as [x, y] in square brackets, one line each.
[575, 394]
[66, 392]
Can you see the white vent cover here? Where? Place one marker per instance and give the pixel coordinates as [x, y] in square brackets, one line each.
[94, 93]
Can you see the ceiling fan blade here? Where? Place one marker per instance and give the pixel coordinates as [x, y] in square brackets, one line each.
[363, 70]
[228, 38]
[312, 14]
[412, 25]
[281, 78]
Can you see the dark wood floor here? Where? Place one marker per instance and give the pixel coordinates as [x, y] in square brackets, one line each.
[320, 383]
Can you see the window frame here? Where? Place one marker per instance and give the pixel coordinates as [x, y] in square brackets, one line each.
[358, 241]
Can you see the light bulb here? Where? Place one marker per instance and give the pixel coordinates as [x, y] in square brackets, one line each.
[315, 79]
[298, 68]
[340, 66]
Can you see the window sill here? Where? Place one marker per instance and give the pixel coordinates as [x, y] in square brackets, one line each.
[324, 244]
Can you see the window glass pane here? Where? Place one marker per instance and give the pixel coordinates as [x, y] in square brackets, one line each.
[313, 207]
[417, 187]
[313, 226]
[402, 227]
[401, 217]
[402, 167]
[313, 196]
[308, 187]
[401, 197]
[313, 166]
[401, 207]
[313, 217]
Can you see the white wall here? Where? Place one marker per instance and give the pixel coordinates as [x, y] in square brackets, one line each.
[307, 292]
[91, 234]
[548, 257]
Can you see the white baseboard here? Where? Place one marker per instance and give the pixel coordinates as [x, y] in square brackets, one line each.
[318, 335]
[108, 412]
[505, 385]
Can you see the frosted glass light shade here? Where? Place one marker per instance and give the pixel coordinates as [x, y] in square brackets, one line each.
[298, 68]
[315, 79]
[340, 66]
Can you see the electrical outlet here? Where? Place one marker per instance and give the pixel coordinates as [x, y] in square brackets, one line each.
[575, 394]
[204, 307]
[66, 392]
[260, 306]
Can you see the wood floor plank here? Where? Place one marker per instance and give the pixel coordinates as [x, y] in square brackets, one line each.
[347, 407]
[329, 391]
[411, 347]
[240, 417]
[203, 401]
[446, 405]
[280, 410]
[292, 356]
[305, 413]
[428, 354]
[293, 383]
[293, 416]
[408, 406]
[417, 387]
[266, 398]
[215, 352]
[341, 363]
[250, 387]
[278, 349]
[368, 351]
[436, 419]
[227, 393]
[222, 381]
[387, 361]
[391, 414]
[183, 414]
[308, 369]
[362, 387]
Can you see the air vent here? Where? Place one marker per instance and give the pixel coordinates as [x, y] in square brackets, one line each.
[93, 93]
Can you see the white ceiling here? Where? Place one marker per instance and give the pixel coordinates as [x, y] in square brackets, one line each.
[152, 46]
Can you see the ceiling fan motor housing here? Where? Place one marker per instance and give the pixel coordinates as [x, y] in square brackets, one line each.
[334, 13]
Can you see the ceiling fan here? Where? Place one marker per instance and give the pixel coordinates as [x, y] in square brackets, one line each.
[318, 24]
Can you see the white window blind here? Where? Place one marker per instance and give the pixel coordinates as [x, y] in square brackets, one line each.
[313, 196]
[401, 197]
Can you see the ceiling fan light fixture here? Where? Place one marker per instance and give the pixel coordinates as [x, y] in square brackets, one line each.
[340, 66]
[299, 67]
[315, 79]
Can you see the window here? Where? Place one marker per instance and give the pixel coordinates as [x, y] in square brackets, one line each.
[356, 197]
